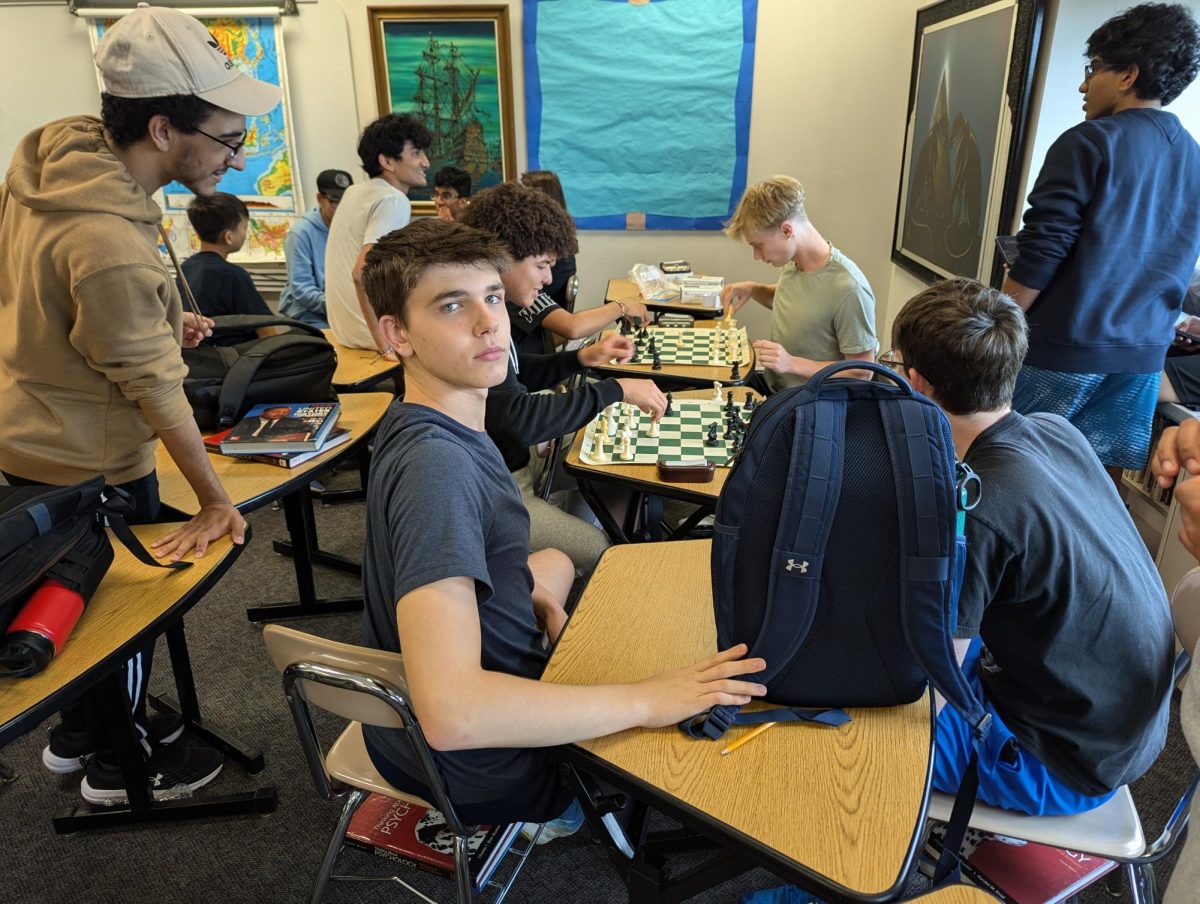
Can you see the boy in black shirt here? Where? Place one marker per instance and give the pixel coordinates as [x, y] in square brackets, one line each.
[447, 575]
[221, 221]
[1064, 628]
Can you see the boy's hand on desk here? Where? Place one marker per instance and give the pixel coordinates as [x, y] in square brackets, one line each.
[670, 697]
[1179, 450]
[611, 346]
[211, 523]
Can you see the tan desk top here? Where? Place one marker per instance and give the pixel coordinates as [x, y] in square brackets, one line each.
[358, 368]
[132, 600]
[693, 373]
[623, 288]
[645, 477]
[843, 804]
[247, 482]
[955, 894]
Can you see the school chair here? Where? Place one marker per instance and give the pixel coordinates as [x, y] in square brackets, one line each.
[571, 293]
[364, 686]
[1113, 830]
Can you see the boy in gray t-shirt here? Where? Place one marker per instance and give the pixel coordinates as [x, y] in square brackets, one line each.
[822, 308]
[447, 576]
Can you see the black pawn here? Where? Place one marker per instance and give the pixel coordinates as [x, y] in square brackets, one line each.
[749, 406]
[657, 362]
[670, 409]
[637, 355]
[735, 373]
[652, 347]
[712, 435]
[624, 326]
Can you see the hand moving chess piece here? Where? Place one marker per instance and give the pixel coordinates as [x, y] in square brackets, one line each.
[653, 431]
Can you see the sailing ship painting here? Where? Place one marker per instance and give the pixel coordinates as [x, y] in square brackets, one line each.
[451, 73]
[958, 142]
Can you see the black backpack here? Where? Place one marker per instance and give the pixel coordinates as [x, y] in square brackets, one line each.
[225, 381]
[57, 532]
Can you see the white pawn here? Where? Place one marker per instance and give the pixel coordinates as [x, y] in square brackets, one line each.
[626, 446]
[716, 391]
[653, 431]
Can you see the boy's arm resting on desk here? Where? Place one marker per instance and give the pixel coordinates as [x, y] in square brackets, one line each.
[461, 705]
[582, 324]
[217, 515]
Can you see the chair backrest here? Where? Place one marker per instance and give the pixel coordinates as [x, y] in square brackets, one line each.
[571, 293]
[287, 646]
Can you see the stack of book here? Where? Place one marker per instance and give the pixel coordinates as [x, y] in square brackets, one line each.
[409, 833]
[285, 435]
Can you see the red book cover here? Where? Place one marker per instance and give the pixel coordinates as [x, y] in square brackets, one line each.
[399, 830]
[1022, 872]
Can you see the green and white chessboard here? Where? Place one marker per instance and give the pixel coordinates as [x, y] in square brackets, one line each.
[705, 347]
[681, 435]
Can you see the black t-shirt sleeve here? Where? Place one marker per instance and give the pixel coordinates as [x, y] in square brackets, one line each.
[437, 520]
[988, 558]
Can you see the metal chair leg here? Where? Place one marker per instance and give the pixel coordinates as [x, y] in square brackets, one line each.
[353, 802]
[1142, 889]
[462, 870]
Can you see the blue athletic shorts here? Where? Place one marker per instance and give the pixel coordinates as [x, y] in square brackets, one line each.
[1009, 776]
[1114, 411]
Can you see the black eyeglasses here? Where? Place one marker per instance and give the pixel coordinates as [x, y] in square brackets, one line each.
[889, 360]
[1095, 66]
[233, 148]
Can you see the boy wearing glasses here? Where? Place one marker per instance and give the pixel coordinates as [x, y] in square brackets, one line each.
[1111, 236]
[1063, 629]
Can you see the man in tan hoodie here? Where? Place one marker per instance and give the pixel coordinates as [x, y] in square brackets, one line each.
[91, 375]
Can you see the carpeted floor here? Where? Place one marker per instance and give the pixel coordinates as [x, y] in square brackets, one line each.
[274, 858]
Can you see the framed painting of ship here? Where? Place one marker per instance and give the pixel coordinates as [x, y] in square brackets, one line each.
[972, 72]
[451, 67]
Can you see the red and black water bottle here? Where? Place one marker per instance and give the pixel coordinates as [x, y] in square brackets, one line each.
[41, 627]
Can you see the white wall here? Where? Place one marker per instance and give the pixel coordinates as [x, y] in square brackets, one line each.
[830, 91]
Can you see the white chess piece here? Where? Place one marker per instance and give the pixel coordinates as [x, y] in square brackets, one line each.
[598, 453]
[653, 431]
[716, 391]
[626, 445]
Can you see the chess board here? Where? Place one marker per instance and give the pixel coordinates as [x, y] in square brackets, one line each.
[681, 435]
[692, 346]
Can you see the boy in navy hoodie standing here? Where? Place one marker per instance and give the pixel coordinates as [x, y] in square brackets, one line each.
[1111, 236]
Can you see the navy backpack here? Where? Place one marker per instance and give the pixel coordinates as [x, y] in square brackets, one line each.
[838, 552]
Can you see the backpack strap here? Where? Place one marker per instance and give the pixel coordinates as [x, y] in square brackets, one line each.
[241, 375]
[929, 555]
[115, 504]
[713, 723]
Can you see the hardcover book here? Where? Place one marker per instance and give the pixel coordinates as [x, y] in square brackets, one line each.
[279, 459]
[409, 833]
[1022, 872]
[280, 427]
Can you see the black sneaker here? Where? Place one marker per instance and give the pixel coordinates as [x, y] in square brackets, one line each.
[174, 772]
[68, 751]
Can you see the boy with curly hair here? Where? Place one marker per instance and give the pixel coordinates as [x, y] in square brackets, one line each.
[1111, 236]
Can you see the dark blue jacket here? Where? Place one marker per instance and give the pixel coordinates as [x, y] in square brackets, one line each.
[1111, 237]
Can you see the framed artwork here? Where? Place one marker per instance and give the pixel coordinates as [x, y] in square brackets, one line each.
[972, 72]
[449, 66]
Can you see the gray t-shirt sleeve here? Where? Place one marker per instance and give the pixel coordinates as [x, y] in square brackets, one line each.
[437, 521]
[854, 323]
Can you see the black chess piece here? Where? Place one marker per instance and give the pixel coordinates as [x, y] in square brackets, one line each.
[749, 406]
[729, 403]
[624, 326]
[652, 347]
[670, 409]
[657, 362]
[736, 414]
[712, 435]
[735, 372]
[728, 434]
[637, 355]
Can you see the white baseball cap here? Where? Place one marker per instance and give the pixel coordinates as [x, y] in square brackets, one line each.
[155, 51]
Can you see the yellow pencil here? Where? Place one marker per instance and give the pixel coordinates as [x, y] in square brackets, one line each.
[748, 736]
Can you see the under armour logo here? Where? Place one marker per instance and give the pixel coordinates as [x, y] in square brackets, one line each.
[793, 565]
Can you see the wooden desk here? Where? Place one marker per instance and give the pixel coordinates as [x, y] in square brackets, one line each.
[134, 604]
[251, 485]
[955, 894]
[681, 374]
[835, 810]
[623, 288]
[359, 369]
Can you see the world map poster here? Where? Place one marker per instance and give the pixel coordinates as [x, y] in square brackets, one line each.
[268, 184]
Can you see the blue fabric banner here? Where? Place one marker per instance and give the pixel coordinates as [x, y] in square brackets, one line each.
[643, 111]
